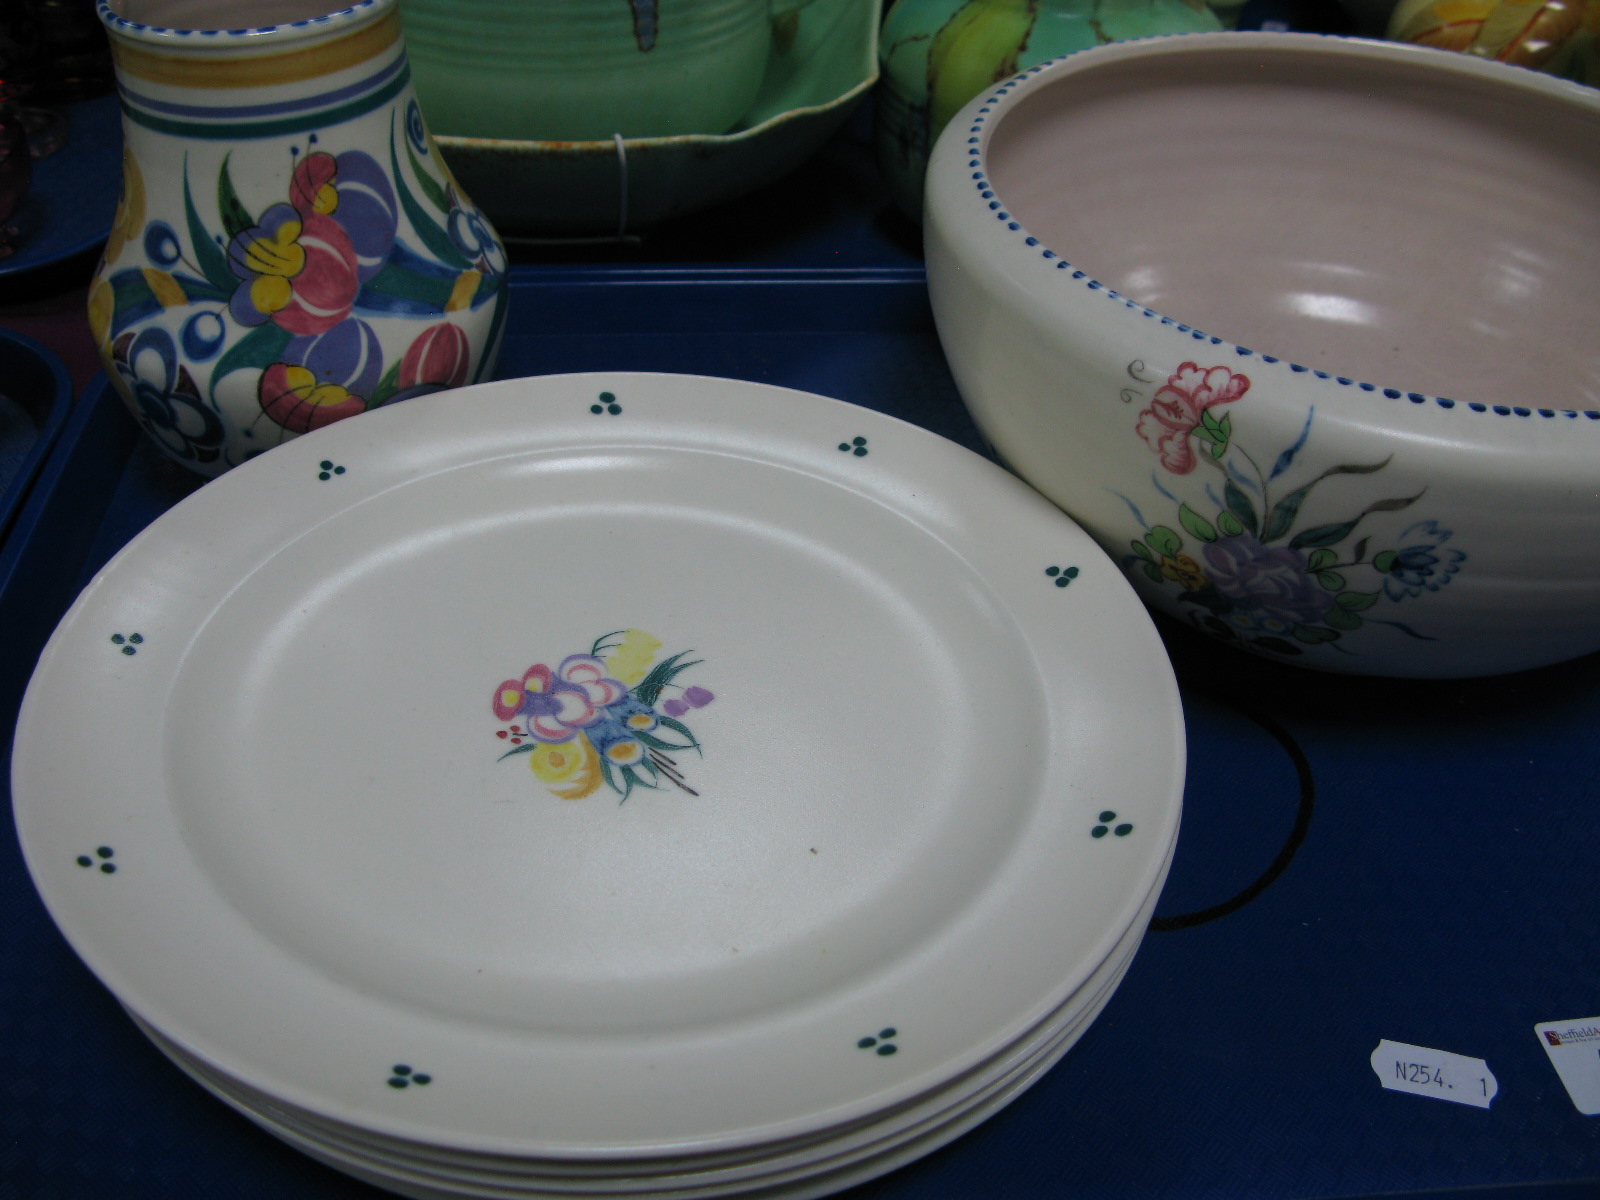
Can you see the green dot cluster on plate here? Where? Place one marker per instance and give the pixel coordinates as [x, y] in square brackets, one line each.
[938, 54]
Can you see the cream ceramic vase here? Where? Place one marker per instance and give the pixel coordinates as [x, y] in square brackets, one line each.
[290, 249]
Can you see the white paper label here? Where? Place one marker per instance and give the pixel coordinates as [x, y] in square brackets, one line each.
[1437, 1073]
[1574, 1050]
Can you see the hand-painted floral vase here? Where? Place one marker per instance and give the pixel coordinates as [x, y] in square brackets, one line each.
[938, 54]
[290, 249]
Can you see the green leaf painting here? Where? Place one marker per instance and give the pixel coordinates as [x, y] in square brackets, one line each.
[1196, 524]
[258, 349]
[208, 255]
[235, 217]
[429, 185]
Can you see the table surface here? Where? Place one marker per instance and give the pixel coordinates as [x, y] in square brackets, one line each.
[1360, 859]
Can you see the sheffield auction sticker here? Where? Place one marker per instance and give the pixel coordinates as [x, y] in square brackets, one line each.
[1574, 1050]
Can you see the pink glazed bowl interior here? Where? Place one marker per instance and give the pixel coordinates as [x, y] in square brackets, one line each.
[1304, 330]
[1376, 218]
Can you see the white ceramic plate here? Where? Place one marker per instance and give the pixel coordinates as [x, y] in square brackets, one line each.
[824, 1179]
[856, 1158]
[914, 691]
[872, 1158]
[1006, 1075]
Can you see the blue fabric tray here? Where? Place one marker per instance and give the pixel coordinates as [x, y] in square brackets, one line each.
[1359, 860]
[35, 396]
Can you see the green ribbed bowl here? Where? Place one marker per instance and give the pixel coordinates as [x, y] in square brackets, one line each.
[572, 70]
[824, 59]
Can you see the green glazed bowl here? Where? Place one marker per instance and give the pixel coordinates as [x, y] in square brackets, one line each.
[824, 60]
[579, 69]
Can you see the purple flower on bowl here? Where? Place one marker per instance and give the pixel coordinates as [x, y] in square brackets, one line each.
[1266, 581]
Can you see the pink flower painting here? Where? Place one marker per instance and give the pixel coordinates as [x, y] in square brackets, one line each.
[1178, 411]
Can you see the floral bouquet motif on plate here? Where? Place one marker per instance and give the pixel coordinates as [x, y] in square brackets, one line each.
[1242, 559]
[599, 718]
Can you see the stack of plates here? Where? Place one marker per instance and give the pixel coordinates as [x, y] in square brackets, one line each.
[607, 785]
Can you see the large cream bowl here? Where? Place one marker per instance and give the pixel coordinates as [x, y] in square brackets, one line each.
[1306, 332]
